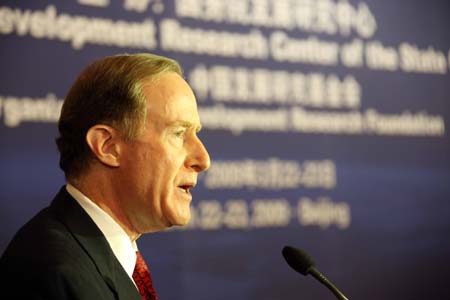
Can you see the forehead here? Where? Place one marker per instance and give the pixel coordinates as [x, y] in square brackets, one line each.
[171, 100]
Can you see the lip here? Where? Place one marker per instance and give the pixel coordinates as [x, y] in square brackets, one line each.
[185, 188]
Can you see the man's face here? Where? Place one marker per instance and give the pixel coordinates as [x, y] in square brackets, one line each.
[160, 167]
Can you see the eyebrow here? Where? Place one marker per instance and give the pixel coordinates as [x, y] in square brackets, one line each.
[187, 124]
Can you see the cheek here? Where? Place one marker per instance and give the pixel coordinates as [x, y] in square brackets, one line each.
[171, 163]
[152, 163]
[164, 167]
[162, 179]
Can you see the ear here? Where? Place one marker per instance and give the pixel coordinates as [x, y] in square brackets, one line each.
[104, 142]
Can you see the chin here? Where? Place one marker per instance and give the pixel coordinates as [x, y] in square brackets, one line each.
[181, 221]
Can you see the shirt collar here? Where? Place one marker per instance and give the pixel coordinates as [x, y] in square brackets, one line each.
[123, 248]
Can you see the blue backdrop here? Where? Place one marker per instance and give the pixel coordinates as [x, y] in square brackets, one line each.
[326, 121]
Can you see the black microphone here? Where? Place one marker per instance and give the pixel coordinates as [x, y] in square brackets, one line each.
[301, 262]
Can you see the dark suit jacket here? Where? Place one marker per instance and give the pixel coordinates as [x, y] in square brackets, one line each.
[61, 254]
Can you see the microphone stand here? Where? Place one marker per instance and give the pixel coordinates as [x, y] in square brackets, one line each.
[319, 276]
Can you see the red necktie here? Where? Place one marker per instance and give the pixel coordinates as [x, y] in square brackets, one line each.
[143, 280]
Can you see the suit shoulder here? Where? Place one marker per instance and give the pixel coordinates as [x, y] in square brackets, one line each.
[47, 257]
[43, 240]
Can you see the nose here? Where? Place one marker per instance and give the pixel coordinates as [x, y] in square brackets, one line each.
[198, 157]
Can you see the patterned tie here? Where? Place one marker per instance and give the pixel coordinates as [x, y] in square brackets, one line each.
[143, 280]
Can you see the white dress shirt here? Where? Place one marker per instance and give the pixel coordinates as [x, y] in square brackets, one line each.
[119, 241]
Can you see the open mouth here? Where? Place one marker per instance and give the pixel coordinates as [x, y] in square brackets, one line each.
[186, 188]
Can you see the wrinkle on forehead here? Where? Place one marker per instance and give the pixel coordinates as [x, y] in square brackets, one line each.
[168, 86]
[172, 99]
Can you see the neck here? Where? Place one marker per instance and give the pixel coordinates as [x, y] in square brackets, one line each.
[96, 191]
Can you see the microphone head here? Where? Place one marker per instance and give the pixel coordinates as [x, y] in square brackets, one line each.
[298, 259]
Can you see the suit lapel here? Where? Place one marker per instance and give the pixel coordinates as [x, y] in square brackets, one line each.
[93, 242]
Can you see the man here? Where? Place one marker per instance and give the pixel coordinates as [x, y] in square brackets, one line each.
[131, 155]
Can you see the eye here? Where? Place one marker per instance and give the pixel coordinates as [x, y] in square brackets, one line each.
[180, 133]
